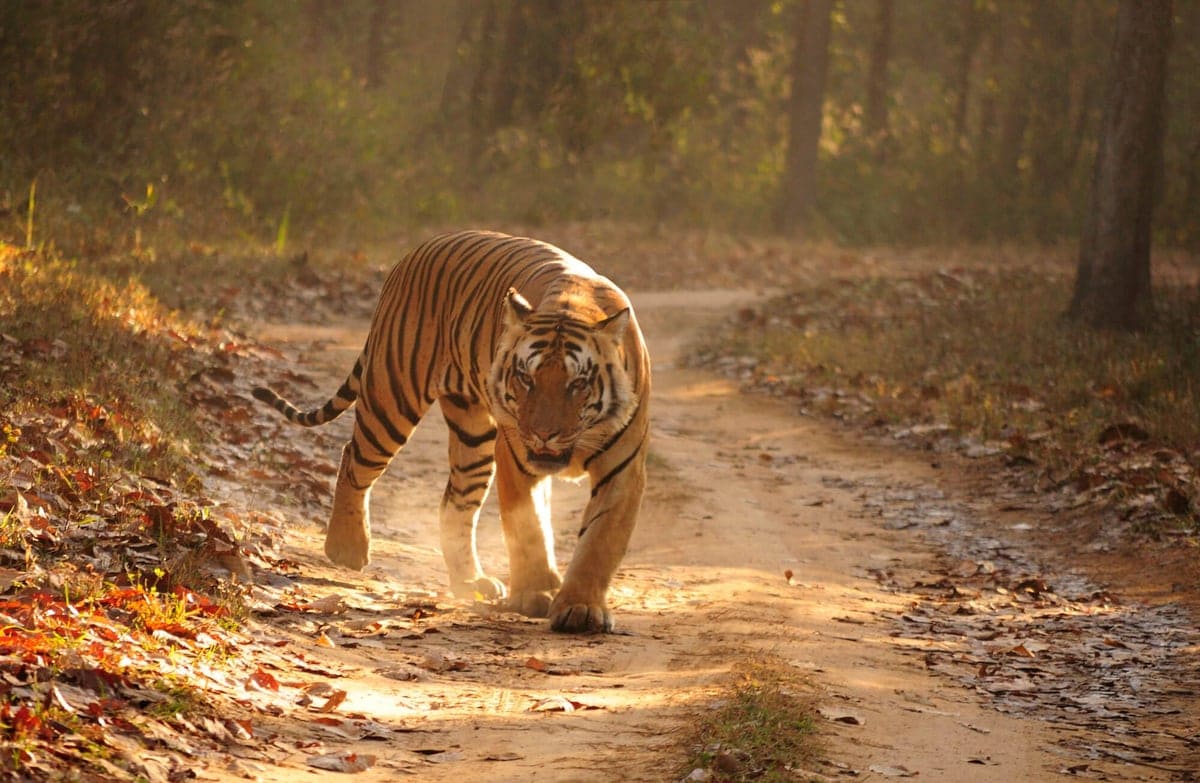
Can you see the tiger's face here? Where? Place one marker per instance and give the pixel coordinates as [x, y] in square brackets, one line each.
[560, 383]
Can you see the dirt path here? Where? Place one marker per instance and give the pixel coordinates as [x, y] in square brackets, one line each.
[924, 660]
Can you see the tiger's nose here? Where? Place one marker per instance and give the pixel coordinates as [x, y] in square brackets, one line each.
[542, 438]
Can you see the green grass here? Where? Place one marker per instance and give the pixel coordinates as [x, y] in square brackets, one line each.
[763, 728]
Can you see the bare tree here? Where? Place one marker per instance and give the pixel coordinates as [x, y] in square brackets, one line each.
[875, 117]
[963, 58]
[373, 68]
[1112, 283]
[810, 66]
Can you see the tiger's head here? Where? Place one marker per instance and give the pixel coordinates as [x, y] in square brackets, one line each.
[560, 381]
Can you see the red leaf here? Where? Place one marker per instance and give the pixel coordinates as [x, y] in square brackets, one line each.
[265, 680]
[328, 721]
[334, 702]
[25, 722]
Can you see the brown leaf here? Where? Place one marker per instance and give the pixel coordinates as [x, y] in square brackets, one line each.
[889, 771]
[840, 716]
[1122, 431]
[264, 680]
[560, 704]
[1176, 502]
[330, 604]
[334, 701]
[328, 721]
[344, 761]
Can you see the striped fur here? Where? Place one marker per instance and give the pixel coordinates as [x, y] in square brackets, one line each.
[540, 369]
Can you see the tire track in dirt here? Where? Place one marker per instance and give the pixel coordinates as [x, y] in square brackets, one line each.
[740, 491]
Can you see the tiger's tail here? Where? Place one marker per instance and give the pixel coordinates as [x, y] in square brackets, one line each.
[342, 400]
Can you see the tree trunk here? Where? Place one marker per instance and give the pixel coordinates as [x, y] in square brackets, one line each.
[988, 131]
[479, 113]
[810, 65]
[373, 68]
[1112, 283]
[456, 92]
[962, 67]
[1046, 180]
[511, 73]
[1191, 195]
[875, 118]
[317, 14]
[1014, 121]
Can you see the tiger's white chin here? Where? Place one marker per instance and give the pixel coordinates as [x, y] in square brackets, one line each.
[548, 462]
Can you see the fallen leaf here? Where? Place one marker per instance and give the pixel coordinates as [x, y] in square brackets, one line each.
[330, 604]
[334, 701]
[343, 762]
[445, 756]
[560, 704]
[840, 716]
[892, 772]
[264, 680]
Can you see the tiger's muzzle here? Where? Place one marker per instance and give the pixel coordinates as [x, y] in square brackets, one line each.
[546, 460]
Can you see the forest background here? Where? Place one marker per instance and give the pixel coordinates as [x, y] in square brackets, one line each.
[171, 171]
[943, 120]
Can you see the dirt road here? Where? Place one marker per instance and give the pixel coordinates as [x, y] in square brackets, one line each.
[935, 643]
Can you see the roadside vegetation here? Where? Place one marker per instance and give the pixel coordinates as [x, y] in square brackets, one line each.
[979, 360]
[123, 579]
[762, 727]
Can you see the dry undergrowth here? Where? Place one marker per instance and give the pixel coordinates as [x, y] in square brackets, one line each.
[982, 362]
[762, 727]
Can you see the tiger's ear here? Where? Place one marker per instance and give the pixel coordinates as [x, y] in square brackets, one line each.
[615, 325]
[516, 308]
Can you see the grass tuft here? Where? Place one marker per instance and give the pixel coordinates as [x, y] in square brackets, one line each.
[762, 729]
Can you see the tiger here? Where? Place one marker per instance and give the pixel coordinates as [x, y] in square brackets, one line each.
[540, 369]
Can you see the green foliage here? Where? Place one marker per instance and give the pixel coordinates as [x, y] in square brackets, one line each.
[287, 120]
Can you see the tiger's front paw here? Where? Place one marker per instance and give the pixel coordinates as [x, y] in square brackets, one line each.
[531, 603]
[349, 548]
[482, 587]
[580, 618]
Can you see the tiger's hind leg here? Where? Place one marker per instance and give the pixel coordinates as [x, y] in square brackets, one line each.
[528, 535]
[472, 464]
[371, 448]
